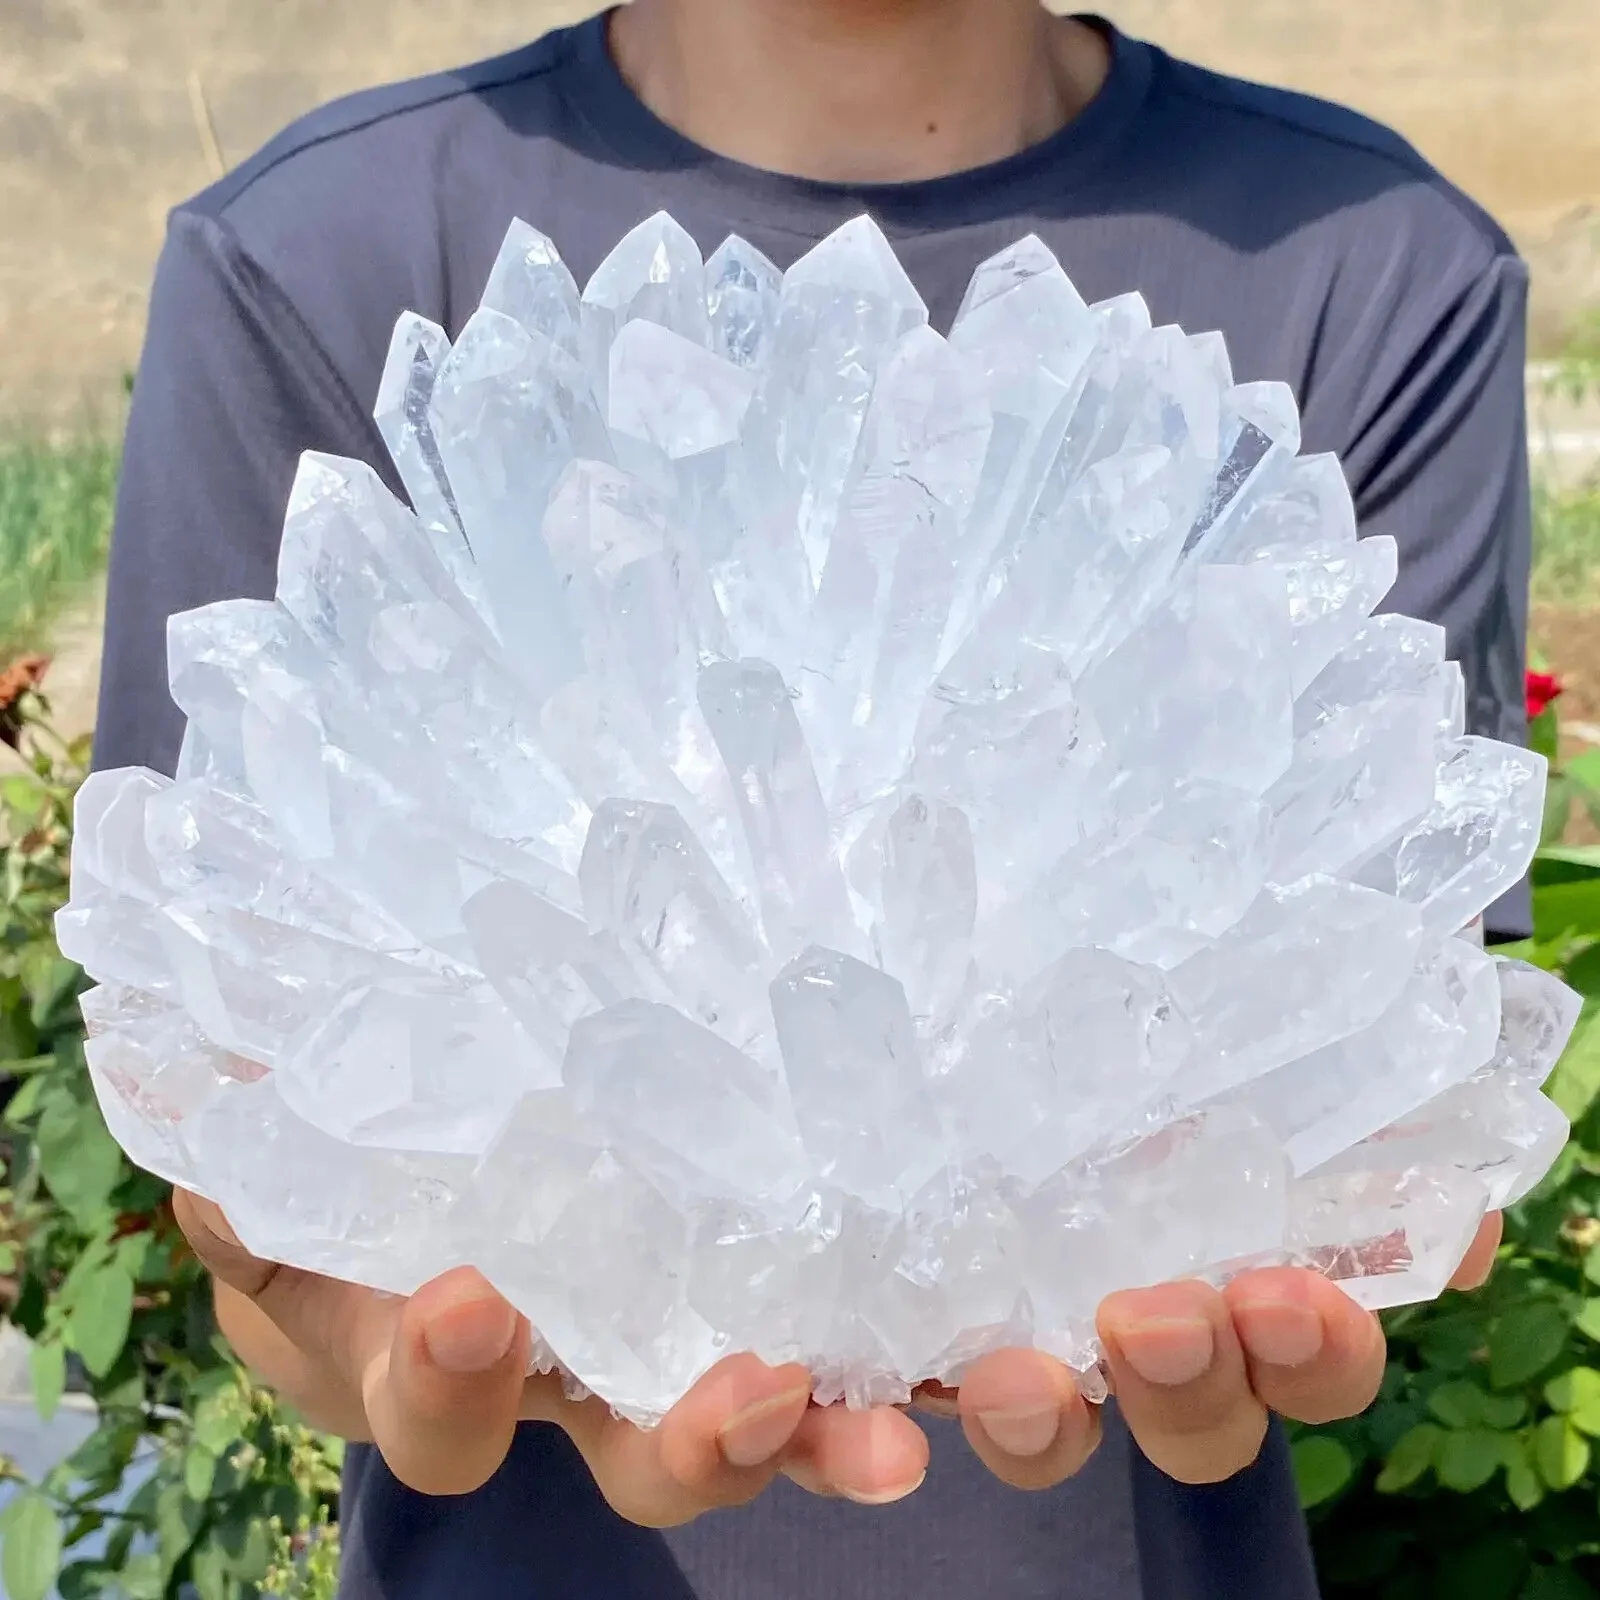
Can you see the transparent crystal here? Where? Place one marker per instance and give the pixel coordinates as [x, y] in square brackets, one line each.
[851, 1057]
[808, 836]
[742, 290]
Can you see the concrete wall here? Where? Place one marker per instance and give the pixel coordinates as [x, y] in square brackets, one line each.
[104, 106]
[1502, 95]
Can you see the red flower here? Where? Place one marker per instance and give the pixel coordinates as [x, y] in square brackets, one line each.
[1542, 689]
[17, 681]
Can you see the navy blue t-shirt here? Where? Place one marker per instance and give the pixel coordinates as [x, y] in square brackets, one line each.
[1324, 248]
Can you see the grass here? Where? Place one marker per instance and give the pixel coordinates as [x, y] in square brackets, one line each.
[55, 524]
[1566, 545]
[1566, 522]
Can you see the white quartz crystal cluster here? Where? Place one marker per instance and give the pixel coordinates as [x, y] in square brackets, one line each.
[820, 838]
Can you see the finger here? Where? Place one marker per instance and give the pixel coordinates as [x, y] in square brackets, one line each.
[1312, 1353]
[325, 1320]
[216, 1244]
[719, 1446]
[1023, 1415]
[443, 1389]
[439, 1376]
[871, 1457]
[1181, 1382]
[1478, 1262]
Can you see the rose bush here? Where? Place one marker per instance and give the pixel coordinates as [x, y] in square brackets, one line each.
[1476, 1476]
[194, 1482]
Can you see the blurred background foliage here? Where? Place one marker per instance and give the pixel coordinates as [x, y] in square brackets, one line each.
[193, 1484]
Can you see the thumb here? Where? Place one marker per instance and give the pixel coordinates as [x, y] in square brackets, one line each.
[439, 1376]
[442, 1391]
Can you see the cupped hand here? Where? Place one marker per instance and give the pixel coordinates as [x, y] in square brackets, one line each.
[438, 1381]
[1196, 1373]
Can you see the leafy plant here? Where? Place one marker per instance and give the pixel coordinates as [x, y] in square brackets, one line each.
[1476, 1474]
[199, 1483]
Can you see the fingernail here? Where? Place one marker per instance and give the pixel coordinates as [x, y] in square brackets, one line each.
[1168, 1350]
[882, 1497]
[472, 1336]
[1279, 1333]
[760, 1431]
[1026, 1432]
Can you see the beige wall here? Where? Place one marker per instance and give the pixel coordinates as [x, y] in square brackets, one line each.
[99, 132]
[1502, 95]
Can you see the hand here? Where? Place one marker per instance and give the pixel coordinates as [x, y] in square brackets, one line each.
[439, 1382]
[1195, 1372]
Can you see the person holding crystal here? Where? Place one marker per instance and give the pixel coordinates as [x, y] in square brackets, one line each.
[1329, 254]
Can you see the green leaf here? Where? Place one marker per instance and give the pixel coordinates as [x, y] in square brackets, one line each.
[199, 1472]
[79, 1159]
[246, 1541]
[1414, 1453]
[50, 979]
[1583, 860]
[1524, 1486]
[142, 1577]
[1544, 733]
[1567, 909]
[1584, 769]
[104, 1456]
[1462, 1404]
[1560, 1452]
[1468, 1458]
[1572, 1389]
[31, 1555]
[1453, 1342]
[83, 1580]
[1557, 810]
[1501, 1412]
[1322, 1467]
[208, 1571]
[1578, 1394]
[1582, 971]
[21, 795]
[1575, 1083]
[102, 1311]
[217, 1421]
[1457, 1404]
[25, 1102]
[1525, 1341]
[178, 1519]
[47, 1367]
[1588, 1320]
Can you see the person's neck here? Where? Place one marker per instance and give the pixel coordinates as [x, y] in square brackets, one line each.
[859, 91]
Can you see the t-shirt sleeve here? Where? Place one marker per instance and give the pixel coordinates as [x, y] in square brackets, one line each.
[232, 387]
[1440, 461]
